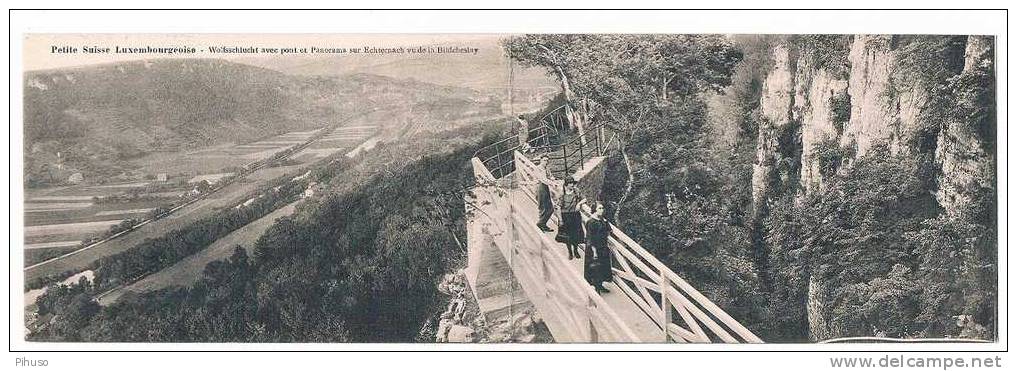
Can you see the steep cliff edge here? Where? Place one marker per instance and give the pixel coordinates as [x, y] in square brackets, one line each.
[800, 106]
[965, 145]
[807, 105]
[830, 100]
[850, 101]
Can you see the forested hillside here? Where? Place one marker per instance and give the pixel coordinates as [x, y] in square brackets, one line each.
[360, 262]
[815, 187]
[95, 119]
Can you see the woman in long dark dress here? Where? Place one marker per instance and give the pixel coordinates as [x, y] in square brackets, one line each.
[544, 203]
[597, 269]
[571, 221]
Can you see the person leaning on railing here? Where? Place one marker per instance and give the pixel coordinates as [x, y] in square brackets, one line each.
[544, 203]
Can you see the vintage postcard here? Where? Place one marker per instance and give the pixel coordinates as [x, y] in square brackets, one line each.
[509, 188]
[674, 190]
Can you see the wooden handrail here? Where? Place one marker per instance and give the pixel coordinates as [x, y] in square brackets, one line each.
[642, 273]
[481, 171]
[682, 313]
[592, 136]
[577, 285]
[577, 310]
[682, 287]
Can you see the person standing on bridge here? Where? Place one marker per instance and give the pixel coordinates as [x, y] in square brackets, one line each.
[523, 134]
[597, 268]
[544, 203]
[571, 229]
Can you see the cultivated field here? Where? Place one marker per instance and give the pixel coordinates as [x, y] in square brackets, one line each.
[190, 269]
[231, 195]
[340, 140]
[213, 160]
[225, 197]
[58, 219]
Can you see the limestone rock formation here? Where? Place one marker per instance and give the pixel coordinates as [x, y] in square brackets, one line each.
[818, 117]
[961, 151]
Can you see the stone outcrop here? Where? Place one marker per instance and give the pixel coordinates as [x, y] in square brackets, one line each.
[799, 106]
[886, 105]
[961, 152]
[815, 99]
[775, 105]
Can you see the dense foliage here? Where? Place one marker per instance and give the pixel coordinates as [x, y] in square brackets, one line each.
[668, 183]
[873, 253]
[870, 253]
[155, 254]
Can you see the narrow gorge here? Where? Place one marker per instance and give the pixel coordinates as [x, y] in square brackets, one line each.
[829, 101]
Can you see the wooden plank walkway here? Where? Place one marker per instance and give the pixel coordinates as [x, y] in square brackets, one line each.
[647, 302]
[626, 309]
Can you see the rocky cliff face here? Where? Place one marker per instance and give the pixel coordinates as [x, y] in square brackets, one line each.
[800, 103]
[798, 112]
[822, 111]
[961, 147]
[885, 106]
[775, 148]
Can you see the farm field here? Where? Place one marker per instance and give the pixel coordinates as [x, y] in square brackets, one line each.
[39, 214]
[341, 139]
[190, 269]
[33, 256]
[232, 193]
[58, 220]
[214, 160]
[229, 196]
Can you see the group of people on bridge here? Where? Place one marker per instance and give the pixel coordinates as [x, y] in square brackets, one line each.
[572, 232]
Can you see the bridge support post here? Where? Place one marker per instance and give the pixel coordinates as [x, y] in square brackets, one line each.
[665, 304]
[510, 225]
[591, 306]
[544, 273]
[600, 144]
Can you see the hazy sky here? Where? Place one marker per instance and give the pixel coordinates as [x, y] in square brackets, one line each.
[38, 53]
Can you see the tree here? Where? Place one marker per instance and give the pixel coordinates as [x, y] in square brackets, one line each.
[845, 257]
[956, 264]
[648, 90]
[631, 82]
[572, 59]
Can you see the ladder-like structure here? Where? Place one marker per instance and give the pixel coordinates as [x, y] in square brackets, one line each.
[647, 302]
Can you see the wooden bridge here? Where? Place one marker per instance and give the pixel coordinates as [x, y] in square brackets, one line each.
[647, 301]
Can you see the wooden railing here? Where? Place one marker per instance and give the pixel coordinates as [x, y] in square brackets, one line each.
[661, 294]
[554, 138]
[570, 307]
[680, 312]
